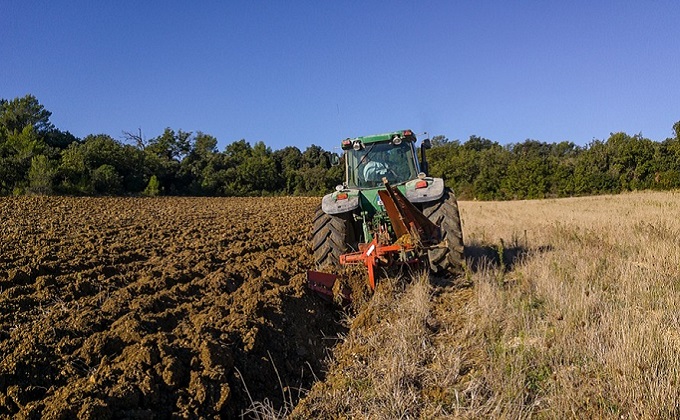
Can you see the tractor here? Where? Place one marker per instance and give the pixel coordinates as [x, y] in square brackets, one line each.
[387, 212]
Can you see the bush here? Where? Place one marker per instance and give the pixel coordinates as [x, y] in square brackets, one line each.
[106, 181]
[153, 189]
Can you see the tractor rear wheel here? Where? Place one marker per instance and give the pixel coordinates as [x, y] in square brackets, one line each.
[444, 213]
[332, 236]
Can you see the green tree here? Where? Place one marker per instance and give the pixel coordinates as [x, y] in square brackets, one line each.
[288, 162]
[153, 188]
[438, 141]
[667, 158]
[631, 160]
[19, 113]
[314, 174]
[192, 167]
[676, 130]
[241, 170]
[106, 180]
[528, 172]
[562, 162]
[163, 155]
[80, 161]
[493, 167]
[478, 144]
[16, 152]
[40, 175]
[250, 170]
[592, 173]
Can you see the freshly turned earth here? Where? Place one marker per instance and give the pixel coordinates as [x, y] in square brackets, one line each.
[156, 307]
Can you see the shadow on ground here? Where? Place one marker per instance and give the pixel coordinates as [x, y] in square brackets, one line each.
[480, 256]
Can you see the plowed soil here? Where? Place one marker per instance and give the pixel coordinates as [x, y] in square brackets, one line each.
[156, 308]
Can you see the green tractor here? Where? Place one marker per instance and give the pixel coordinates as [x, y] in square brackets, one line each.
[386, 194]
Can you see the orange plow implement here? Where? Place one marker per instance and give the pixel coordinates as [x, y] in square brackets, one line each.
[414, 234]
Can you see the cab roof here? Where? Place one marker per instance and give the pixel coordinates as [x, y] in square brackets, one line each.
[377, 138]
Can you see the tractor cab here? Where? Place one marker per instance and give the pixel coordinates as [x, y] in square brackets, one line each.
[370, 159]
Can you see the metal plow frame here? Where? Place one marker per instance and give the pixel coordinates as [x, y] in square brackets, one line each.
[415, 235]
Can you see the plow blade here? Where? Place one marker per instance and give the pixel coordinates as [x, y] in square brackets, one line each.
[322, 283]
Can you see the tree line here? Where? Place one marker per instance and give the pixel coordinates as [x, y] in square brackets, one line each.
[485, 170]
[38, 158]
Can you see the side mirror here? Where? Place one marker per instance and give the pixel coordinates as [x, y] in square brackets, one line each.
[334, 159]
[424, 167]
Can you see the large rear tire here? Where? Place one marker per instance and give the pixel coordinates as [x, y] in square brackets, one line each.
[444, 213]
[332, 236]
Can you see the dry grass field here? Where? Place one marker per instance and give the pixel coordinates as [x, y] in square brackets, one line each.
[569, 309]
[585, 323]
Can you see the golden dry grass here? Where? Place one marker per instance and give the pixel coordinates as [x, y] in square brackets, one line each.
[585, 323]
[570, 308]
[382, 364]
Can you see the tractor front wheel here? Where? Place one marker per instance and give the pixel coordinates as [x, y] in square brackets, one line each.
[332, 236]
[444, 213]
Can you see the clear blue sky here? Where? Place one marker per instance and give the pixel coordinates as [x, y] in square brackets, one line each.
[303, 72]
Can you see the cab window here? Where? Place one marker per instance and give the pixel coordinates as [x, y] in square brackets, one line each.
[367, 167]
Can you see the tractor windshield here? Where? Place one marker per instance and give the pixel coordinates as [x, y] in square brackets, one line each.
[367, 167]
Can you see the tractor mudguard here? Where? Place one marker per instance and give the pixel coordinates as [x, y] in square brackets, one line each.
[331, 205]
[434, 191]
